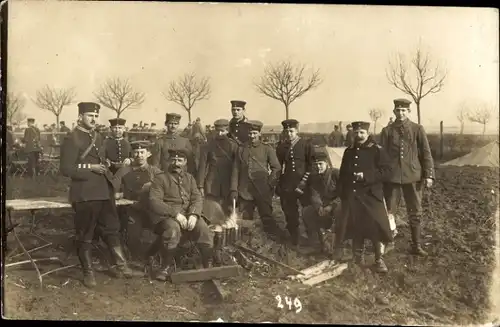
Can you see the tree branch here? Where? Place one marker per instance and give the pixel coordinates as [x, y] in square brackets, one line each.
[188, 90]
[118, 95]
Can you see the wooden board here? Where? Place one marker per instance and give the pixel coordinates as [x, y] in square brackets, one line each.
[47, 203]
[328, 274]
[198, 275]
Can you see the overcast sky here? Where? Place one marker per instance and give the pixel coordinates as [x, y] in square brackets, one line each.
[80, 44]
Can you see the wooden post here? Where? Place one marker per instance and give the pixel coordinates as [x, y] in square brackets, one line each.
[441, 141]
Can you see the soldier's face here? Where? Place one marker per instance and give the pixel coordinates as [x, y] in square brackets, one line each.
[89, 119]
[172, 126]
[254, 136]
[141, 156]
[321, 166]
[221, 131]
[117, 130]
[291, 133]
[237, 112]
[401, 113]
[360, 135]
[178, 162]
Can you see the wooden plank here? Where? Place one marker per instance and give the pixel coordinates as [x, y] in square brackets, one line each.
[198, 275]
[263, 257]
[221, 293]
[331, 273]
[317, 269]
[47, 203]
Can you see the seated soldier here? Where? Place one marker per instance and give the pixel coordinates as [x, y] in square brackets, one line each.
[320, 214]
[135, 181]
[176, 205]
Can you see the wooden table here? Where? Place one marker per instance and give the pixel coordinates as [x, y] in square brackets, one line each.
[33, 205]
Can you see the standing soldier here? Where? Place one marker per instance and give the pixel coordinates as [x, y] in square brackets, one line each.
[171, 140]
[362, 172]
[254, 177]
[296, 158]
[412, 167]
[32, 147]
[238, 131]
[91, 193]
[117, 151]
[349, 137]
[216, 164]
[336, 139]
[64, 128]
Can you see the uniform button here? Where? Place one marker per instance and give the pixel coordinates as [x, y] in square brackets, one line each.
[293, 169]
[356, 157]
[401, 156]
[355, 164]
[354, 182]
[357, 148]
[354, 190]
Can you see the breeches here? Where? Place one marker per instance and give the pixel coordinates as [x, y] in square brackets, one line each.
[172, 234]
[96, 217]
[412, 194]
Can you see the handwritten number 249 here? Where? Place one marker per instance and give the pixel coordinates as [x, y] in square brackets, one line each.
[288, 302]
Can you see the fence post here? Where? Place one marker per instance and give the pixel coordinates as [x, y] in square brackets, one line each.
[441, 141]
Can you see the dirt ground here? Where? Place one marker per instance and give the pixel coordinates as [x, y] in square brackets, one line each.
[451, 286]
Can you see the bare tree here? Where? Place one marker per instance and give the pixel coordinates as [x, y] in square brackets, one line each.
[285, 82]
[463, 113]
[54, 100]
[375, 115]
[118, 95]
[418, 79]
[15, 104]
[482, 116]
[187, 90]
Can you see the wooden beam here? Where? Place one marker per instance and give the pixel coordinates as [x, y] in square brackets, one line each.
[198, 275]
[331, 273]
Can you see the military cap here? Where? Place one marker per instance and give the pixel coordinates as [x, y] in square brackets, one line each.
[361, 125]
[177, 153]
[30, 120]
[402, 103]
[172, 117]
[348, 125]
[320, 156]
[84, 107]
[62, 122]
[290, 123]
[255, 125]
[238, 104]
[221, 123]
[137, 145]
[117, 121]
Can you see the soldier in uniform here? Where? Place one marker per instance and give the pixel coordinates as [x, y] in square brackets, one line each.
[254, 177]
[295, 155]
[216, 164]
[349, 137]
[412, 167]
[324, 195]
[176, 206]
[364, 216]
[32, 147]
[136, 180]
[117, 149]
[336, 139]
[64, 128]
[91, 193]
[171, 140]
[238, 131]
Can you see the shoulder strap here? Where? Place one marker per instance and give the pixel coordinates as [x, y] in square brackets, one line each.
[92, 143]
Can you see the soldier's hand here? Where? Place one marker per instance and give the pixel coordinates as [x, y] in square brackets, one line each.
[146, 186]
[191, 222]
[328, 210]
[127, 162]
[428, 182]
[321, 211]
[98, 168]
[118, 196]
[182, 220]
[358, 176]
[202, 191]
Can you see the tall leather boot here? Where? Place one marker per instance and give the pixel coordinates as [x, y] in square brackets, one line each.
[358, 250]
[85, 257]
[416, 248]
[338, 249]
[151, 253]
[379, 264]
[121, 268]
[207, 255]
[167, 263]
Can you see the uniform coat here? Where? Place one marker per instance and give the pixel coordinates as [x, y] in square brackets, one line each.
[364, 214]
[32, 139]
[216, 165]
[324, 188]
[116, 150]
[170, 141]
[172, 193]
[85, 184]
[255, 171]
[238, 131]
[409, 154]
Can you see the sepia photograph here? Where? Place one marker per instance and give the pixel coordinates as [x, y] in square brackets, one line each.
[250, 163]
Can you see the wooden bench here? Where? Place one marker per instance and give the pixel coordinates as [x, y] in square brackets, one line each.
[34, 205]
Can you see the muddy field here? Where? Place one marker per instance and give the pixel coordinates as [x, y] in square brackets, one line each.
[451, 286]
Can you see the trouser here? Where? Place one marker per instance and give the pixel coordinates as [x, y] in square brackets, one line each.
[171, 234]
[314, 223]
[412, 194]
[97, 217]
[265, 209]
[33, 163]
[290, 204]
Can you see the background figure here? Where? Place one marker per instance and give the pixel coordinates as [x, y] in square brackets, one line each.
[32, 147]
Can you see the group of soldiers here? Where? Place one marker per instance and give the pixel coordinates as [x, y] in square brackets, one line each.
[169, 185]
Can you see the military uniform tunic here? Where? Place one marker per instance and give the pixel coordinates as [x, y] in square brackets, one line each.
[116, 150]
[238, 131]
[33, 149]
[167, 142]
[364, 214]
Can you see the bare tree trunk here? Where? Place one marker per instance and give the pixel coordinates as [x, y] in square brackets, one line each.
[189, 115]
[375, 128]
[118, 114]
[287, 112]
[418, 111]
[461, 128]
[57, 122]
